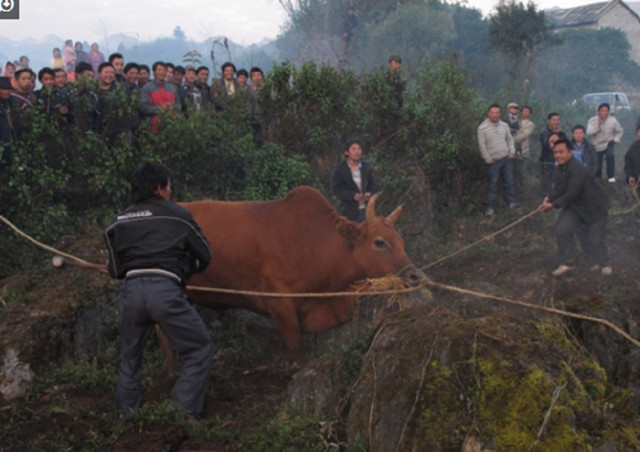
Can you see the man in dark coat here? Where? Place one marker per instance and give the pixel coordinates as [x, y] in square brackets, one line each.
[584, 206]
[352, 182]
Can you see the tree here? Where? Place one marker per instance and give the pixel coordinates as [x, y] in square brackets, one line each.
[520, 33]
[587, 61]
[416, 31]
[179, 34]
[192, 58]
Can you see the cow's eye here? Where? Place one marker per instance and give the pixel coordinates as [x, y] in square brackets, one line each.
[380, 243]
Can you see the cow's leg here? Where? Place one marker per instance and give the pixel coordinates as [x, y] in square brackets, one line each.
[321, 314]
[285, 313]
[170, 363]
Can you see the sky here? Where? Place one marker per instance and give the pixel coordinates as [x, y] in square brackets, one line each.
[243, 21]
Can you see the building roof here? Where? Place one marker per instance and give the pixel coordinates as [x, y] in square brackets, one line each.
[574, 17]
[635, 6]
[584, 15]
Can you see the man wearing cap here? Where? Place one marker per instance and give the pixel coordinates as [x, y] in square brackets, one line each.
[512, 119]
[497, 150]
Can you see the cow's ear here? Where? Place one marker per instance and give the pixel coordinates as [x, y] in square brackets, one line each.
[350, 232]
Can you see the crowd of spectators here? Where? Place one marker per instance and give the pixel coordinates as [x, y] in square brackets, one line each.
[83, 88]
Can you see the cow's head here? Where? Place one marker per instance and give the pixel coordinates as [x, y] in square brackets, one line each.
[377, 248]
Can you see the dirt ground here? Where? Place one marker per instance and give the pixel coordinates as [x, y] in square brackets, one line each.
[247, 393]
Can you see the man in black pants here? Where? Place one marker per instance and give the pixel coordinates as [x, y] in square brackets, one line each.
[584, 207]
[155, 245]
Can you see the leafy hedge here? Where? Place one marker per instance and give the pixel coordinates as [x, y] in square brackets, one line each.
[66, 175]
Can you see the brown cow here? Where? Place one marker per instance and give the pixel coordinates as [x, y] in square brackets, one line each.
[297, 244]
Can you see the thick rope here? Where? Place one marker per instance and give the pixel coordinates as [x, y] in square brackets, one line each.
[304, 295]
[524, 304]
[42, 245]
[477, 242]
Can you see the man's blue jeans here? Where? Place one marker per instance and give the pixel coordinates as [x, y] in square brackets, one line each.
[611, 161]
[502, 167]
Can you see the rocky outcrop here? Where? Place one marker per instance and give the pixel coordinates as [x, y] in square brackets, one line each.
[52, 325]
[431, 380]
[14, 376]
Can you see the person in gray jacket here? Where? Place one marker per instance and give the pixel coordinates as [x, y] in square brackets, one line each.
[497, 149]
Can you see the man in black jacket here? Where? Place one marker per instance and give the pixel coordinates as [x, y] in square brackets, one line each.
[6, 134]
[632, 168]
[155, 245]
[6, 128]
[584, 211]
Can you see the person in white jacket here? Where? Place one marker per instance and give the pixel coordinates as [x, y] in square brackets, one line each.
[605, 131]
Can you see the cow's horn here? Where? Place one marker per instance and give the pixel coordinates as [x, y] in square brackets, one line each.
[393, 216]
[370, 213]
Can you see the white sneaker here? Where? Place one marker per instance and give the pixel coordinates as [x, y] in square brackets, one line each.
[612, 180]
[561, 270]
[595, 268]
[607, 270]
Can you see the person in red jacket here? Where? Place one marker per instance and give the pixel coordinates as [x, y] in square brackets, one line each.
[157, 96]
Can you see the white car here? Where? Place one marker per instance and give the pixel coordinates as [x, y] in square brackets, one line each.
[617, 101]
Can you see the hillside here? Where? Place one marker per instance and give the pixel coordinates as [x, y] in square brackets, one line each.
[254, 404]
